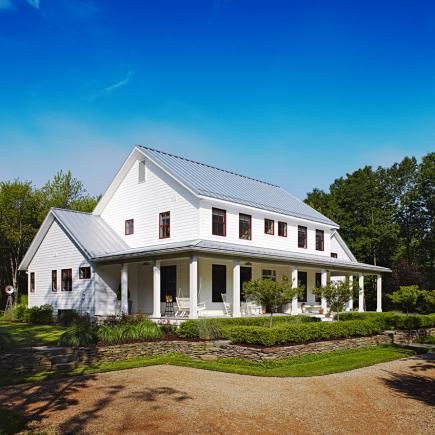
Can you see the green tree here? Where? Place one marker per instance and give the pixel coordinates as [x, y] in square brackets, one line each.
[270, 293]
[406, 297]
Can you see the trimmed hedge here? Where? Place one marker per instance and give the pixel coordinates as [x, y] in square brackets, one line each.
[211, 329]
[393, 320]
[301, 332]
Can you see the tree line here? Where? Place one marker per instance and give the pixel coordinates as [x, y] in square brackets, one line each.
[23, 207]
[386, 216]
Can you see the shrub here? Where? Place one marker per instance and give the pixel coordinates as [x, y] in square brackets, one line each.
[127, 331]
[81, 334]
[22, 313]
[300, 333]
[42, 315]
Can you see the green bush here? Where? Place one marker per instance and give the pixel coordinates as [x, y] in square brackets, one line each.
[301, 332]
[81, 334]
[22, 313]
[42, 315]
[210, 329]
[127, 331]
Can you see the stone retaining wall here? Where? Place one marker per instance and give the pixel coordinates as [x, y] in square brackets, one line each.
[408, 337]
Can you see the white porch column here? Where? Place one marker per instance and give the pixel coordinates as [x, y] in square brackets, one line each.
[124, 289]
[193, 285]
[156, 289]
[324, 282]
[236, 288]
[294, 284]
[350, 303]
[379, 293]
[361, 294]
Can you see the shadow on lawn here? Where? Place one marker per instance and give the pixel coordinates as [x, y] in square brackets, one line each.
[417, 384]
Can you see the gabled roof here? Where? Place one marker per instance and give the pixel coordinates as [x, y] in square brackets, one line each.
[335, 234]
[209, 181]
[90, 233]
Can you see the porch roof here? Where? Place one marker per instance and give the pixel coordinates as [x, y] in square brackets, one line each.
[242, 251]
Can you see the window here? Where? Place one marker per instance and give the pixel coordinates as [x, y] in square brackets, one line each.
[141, 176]
[54, 280]
[32, 281]
[302, 283]
[168, 282]
[268, 274]
[320, 240]
[269, 226]
[334, 255]
[165, 225]
[66, 276]
[85, 272]
[219, 222]
[318, 285]
[244, 226]
[282, 229]
[129, 227]
[302, 237]
[219, 282]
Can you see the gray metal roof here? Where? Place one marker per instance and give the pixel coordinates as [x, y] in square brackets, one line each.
[223, 248]
[217, 183]
[90, 232]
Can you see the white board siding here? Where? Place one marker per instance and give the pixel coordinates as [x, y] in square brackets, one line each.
[259, 238]
[341, 253]
[144, 201]
[58, 252]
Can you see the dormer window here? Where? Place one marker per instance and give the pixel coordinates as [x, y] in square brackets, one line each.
[129, 227]
[141, 176]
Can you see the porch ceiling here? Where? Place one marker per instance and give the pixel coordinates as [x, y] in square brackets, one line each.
[238, 251]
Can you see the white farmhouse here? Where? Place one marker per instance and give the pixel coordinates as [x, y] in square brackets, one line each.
[169, 228]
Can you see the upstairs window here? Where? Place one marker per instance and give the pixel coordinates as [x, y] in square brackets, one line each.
[320, 240]
[129, 227]
[85, 272]
[334, 255]
[66, 276]
[282, 229]
[141, 175]
[32, 282]
[165, 225]
[269, 226]
[245, 226]
[302, 237]
[54, 280]
[219, 222]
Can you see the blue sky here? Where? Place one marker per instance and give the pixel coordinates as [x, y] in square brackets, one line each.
[293, 92]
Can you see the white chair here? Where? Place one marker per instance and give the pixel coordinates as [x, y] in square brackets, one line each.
[253, 308]
[227, 305]
[183, 307]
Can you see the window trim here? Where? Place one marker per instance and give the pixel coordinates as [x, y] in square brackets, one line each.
[272, 275]
[163, 226]
[250, 226]
[225, 222]
[85, 267]
[285, 226]
[322, 232]
[54, 280]
[62, 280]
[273, 227]
[32, 282]
[127, 221]
[300, 227]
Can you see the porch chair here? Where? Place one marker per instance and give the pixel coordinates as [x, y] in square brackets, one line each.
[227, 305]
[253, 308]
[183, 307]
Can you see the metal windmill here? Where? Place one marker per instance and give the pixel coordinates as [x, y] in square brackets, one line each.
[9, 290]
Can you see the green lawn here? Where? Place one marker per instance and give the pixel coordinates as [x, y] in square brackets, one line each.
[306, 365]
[23, 334]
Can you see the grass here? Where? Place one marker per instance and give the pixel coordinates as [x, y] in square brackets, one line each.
[306, 365]
[23, 334]
[10, 422]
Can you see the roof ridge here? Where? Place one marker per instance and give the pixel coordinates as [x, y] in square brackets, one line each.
[210, 166]
[71, 211]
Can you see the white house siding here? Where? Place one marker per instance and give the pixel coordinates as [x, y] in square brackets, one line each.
[144, 201]
[58, 252]
[336, 247]
[259, 238]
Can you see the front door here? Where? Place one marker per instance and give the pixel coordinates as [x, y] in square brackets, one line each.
[168, 282]
[245, 276]
[303, 282]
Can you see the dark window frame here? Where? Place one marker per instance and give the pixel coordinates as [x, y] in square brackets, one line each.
[32, 282]
[66, 280]
[270, 222]
[164, 228]
[168, 275]
[216, 290]
[129, 230]
[334, 255]
[249, 222]
[302, 230]
[54, 281]
[320, 240]
[85, 272]
[282, 225]
[216, 225]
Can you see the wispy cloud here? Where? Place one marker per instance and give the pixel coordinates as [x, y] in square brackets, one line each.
[34, 3]
[6, 5]
[113, 87]
[9, 5]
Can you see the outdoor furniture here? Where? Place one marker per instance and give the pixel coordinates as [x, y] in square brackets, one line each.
[253, 308]
[227, 305]
[315, 309]
[183, 307]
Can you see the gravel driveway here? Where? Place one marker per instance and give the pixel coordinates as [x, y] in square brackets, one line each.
[390, 398]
